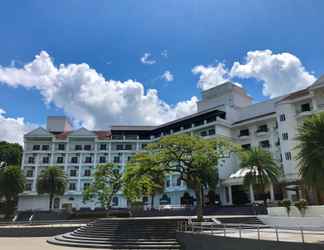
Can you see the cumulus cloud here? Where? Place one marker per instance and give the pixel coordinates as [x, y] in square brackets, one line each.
[146, 59]
[90, 99]
[211, 76]
[13, 129]
[168, 76]
[279, 73]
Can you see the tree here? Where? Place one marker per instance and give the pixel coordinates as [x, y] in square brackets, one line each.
[262, 169]
[51, 181]
[107, 182]
[10, 153]
[193, 158]
[143, 178]
[310, 137]
[12, 183]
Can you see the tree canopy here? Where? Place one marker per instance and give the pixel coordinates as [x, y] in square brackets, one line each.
[12, 183]
[310, 150]
[105, 185]
[51, 181]
[10, 153]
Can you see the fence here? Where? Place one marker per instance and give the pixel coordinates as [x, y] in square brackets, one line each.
[254, 231]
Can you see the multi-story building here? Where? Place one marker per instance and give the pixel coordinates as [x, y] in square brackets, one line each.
[225, 110]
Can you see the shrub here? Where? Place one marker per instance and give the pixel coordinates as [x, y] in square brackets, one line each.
[301, 206]
[286, 203]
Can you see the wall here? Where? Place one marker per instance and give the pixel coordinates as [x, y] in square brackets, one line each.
[209, 242]
[311, 211]
[293, 222]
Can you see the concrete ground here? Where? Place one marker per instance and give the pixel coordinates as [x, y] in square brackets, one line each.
[34, 243]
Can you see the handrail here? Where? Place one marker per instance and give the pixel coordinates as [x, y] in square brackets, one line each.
[238, 230]
[43, 222]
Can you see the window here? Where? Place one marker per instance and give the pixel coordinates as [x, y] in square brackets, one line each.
[72, 186]
[282, 117]
[31, 160]
[244, 132]
[116, 159]
[305, 107]
[78, 147]
[115, 201]
[168, 182]
[285, 136]
[59, 160]
[61, 147]
[36, 147]
[178, 181]
[116, 171]
[73, 172]
[45, 147]
[87, 147]
[203, 133]
[28, 187]
[86, 185]
[103, 146]
[88, 159]
[262, 128]
[74, 159]
[144, 145]
[246, 146]
[129, 158]
[87, 172]
[265, 144]
[128, 147]
[102, 159]
[119, 147]
[29, 173]
[288, 156]
[211, 131]
[45, 160]
[280, 159]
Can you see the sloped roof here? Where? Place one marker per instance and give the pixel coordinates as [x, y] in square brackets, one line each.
[39, 132]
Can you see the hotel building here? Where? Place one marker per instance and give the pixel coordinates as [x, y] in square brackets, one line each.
[225, 110]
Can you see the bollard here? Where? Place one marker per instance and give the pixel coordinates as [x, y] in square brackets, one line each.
[258, 228]
[240, 231]
[277, 235]
[224, 230]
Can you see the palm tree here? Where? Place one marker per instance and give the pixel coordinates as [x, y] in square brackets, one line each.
[310, 148]
[51, 181]
[262, 169]
[12, 183]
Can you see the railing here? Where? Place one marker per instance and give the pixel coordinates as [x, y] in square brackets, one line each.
[254, 231]
[44, 222]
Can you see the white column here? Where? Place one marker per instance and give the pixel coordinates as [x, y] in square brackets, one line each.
[272, 197]
[230, 195]
[251, 193]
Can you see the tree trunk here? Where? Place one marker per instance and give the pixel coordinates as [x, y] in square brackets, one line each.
[152, 201]
[199, 208]
[51, 196]
[318, 196]
[264, 196]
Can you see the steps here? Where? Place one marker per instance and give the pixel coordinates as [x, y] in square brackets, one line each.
[123, 234]
[253, 220]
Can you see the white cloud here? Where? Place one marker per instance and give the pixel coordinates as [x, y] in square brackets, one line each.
[164, 53]
[145, 59]
[279, 73]
[211, 76]
[13, 129]
[168, 76]
[90, 99]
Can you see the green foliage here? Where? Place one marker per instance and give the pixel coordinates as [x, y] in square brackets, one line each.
[107, 182]
[301, 206]
[12, 183]
[287, 204]
[143, 177]
[262, 168]
[10, 153]
[310, 149]
[51, 181]
[193, 158]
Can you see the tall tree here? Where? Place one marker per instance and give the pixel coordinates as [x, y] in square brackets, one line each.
[193, 158]
[106, 184]
[143, 178]
[262, 169]
[12, 183]
[310, 149]
[51, 181]
[10, 153]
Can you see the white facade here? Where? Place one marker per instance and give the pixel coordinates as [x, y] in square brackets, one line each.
[225, 110]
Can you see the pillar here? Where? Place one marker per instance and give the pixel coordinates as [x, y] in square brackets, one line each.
[251, 194]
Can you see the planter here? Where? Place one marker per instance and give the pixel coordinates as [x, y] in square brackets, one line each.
[311, 211]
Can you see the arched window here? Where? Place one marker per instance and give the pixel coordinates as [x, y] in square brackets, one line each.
[115, 201]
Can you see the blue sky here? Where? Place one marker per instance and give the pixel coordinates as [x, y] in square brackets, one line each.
[112, 36]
